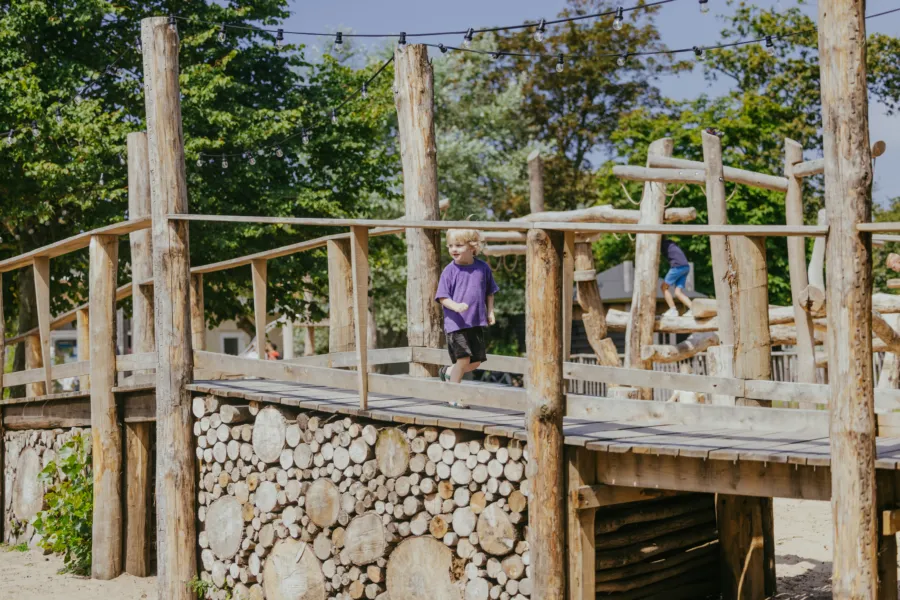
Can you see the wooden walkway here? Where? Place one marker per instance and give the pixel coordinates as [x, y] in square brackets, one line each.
[654, 453]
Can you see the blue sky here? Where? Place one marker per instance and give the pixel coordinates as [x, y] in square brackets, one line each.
[680, 24]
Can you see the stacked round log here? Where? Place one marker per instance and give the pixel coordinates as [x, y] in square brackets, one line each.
[27, 452]
[665, 548]
[307, 505]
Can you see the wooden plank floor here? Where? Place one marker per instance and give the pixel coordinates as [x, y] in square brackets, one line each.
[656, 437]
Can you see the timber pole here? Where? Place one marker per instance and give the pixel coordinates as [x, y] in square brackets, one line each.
[175, 458]
[341, 328]
[83, 325]
[259, 269]
[536, 181]
[639, 332]
[143, 339]
[544, 417]
[198, 316]
[796, 246]
[106, 545]
[414, 98]
[848, 180]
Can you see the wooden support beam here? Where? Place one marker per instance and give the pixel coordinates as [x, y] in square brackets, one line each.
[732, 174]
[138, 495]
[601, 495]
[287, 339]
[809, 168]
[33, 360]
[793, 205]
[2, 385]
[812, 298]
[536, 181]
[890, 367]
[606, 213]
[414, 99]
[259, 270]
[888, 497]
[309, 341]
[693, 345]
[359, 252]
[143, 336]
[639, 331]
[42, 297]
[848, 180]
[175, 471]
[198, 313]
[341, 330]
[505, 250]
[106, 552]
[582, 471]
[568, 283]
[83, 325]
[544, 417]
[718, 215]
[592, 314]
[645, 174]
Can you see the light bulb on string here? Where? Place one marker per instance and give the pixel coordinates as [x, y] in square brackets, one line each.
[442, 48]
[540, 31]
[199, 162]
[59, 118]
[78, 98]
[279, 152]
[338, 41]
[365, 91]
[102, 175]
[621, 60]
[334, 119]
[279, 39]
[698, 51]
[401, 43]
[770, 45]
[121, 160]
[173, 24]
[222, 32]
[495, 55]
[250, 158]
[619, 21]
[34, 129]
[704, 6]
[467, 39]
[560, 63]
[138, 45]
[9, 140]
[224, 163]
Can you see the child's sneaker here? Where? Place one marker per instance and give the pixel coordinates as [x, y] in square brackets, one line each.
[688, 314]
[442, 373]
[672, 312]
[457, 404]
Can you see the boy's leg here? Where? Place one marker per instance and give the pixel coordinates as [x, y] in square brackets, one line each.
[459, 368]
[679, 293]
[472, 366]
[667, 294]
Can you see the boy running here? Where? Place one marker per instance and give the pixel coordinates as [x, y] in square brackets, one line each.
[676, 277]
[466, 291]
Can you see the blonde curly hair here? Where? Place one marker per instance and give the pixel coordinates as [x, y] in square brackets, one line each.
[473, 237]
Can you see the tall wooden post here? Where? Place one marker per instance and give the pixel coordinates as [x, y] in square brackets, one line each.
[287, 339]
[259, 270]
[544, 417]
[34, 359]
[106, 552]
[746, 524]
[359, 252]
[198, 315]
[793, 208]
[536, 181]
[581, 541]
[414, 98]
[2, 443]
[175, 491]
[143, 339]
[42, 297]
[639, 330]
[848, 180]
[568, 288]
[83, 325]
[341, 330]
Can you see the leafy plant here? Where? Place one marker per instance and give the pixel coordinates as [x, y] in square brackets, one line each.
[23, 547]
[199, 587]
[65, 526]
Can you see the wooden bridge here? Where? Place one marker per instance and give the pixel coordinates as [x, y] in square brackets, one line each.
[603, 451]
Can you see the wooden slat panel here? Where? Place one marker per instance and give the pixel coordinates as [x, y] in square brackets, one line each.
[136, 362]
[23, 377]
[225, 363]
[494, 396]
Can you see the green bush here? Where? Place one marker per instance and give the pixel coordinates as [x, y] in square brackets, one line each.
[65, 526]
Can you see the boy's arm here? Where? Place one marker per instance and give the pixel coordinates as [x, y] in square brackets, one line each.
[449, 304]
[490, 310]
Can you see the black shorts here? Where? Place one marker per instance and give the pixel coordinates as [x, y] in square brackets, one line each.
[467, 342]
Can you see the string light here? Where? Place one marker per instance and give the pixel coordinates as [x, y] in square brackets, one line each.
[442, 48]
[704, 6]
[9, 140]
[770, 45]
[619, 20]
[467, 39]
[279, 39]
[401, 43]
[173, 24]
[59, 118]
[621, 60]
[540, 31]
[252, 159]
[334, 120]
[365, 92]
[338, 41]
[200, 162]
[139, 46]
[261, 152]
[224, 163]
[304, 136]
[495, 55]
[278, 152]
[560, 63]
[121, 160]
[698, 51]
[222, 33]
[101, 178]
[34, 129]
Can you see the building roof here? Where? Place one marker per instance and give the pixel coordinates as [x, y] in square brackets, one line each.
[617, 284]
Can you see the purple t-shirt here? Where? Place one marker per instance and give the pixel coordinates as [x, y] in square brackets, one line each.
[469, 284]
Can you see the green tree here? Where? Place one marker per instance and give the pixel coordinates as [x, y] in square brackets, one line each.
[773, 97]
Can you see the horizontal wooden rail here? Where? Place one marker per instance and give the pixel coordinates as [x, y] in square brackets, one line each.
[635, 173]
[761, 180]
[390, 223]
[885, 227]
[136, 362]
[494, 362]
[885, 238]
[809, 168]
[748, 230]
[82, 240]
[381, 356]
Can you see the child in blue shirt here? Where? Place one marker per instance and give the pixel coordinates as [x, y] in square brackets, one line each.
[676, 277]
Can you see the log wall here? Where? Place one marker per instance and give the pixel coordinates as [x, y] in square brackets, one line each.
[350, 508]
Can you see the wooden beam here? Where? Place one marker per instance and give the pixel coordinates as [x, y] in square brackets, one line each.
[341, 330]
[359, 252]
[606, 213]
[505, 250]
[3, 491]
[639, 330]
[848, 180]
[580, 548]
[138, 495]
[732, 174]
[83, 325]
[890, 520]
[259, 270]
[414, 99]
[175, 471]
[568, 284]
[42, 297]
[198, 313]
[717, 214]
[601, 495]
[809, 168]
[34, 361]
[143, 336]
[107, 536]
[544, 418]
[890, 368]
[593, 316]
[536, 181]
[634, 173]
[793, 207]
[711, 229]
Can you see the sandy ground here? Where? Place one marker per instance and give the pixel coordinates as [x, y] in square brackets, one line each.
[802, 538]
